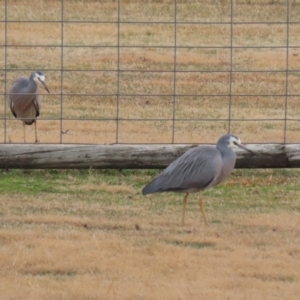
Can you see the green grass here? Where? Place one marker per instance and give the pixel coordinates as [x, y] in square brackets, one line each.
[116, 195]
[245, 190]
[36, 181]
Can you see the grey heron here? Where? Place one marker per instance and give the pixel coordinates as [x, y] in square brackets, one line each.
[24, 99]
[198, 169]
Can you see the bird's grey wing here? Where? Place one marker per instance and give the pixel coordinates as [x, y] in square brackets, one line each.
[11, 106]
[13, 96]
[195, 169]
[36, 103]
[20, 103]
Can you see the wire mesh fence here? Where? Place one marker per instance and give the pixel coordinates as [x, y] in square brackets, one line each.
[164, 71]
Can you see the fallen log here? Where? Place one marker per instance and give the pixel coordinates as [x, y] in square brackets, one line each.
[120, 156]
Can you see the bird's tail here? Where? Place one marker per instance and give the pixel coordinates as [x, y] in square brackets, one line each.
[30, 122]
[152, 187]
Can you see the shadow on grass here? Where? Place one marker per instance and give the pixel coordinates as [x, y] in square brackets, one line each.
[51, 273]
[196, 245]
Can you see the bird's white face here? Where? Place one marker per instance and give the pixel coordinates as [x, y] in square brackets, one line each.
[234, 142]
[38, 78]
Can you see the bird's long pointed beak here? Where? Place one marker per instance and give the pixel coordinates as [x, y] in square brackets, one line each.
[45, 86]
[245, 148]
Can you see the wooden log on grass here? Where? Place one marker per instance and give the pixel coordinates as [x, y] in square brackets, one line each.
[64, 156]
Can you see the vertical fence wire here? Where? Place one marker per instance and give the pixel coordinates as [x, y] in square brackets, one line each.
[61, 73]
[287, 69]
[230, 71]
[118, 74]
[174, 75]
[5, 73]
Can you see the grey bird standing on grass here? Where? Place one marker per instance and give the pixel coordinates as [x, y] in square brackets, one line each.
[24, 99]
[198, 169]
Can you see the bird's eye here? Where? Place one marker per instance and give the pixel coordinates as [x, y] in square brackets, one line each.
[235, 143]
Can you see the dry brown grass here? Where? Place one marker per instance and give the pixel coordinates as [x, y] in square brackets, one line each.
[131, 107]
[105, 260]
[99, 238]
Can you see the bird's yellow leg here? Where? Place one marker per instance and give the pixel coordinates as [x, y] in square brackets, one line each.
[184, 207]
[36, 140]
[24, 132]
[202, 209]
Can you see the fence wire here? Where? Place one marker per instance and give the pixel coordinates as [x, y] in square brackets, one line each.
[175, 72]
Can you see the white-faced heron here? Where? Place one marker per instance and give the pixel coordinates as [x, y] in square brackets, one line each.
[24, 99]
[198, 169]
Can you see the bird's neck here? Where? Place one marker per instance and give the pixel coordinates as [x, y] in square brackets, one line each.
[32, 86]
[230, 155]
[226, 152]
